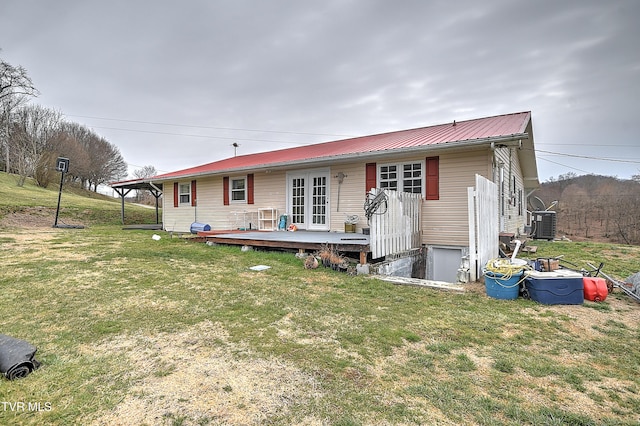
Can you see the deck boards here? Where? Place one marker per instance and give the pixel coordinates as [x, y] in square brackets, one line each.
[304, 240]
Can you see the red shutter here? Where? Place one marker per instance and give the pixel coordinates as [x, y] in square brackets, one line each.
[225, 190]
[194, 198]
[175, 194]
[250, 188]
[371, 173]
[433, 178]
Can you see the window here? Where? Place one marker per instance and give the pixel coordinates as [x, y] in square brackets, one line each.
[406, 177]
[389, 177]
[412, 178]
[520, 201]
[185, 193]
[238, 189]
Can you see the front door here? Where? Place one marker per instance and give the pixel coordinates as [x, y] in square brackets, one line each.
[308, 200]
[319, 207]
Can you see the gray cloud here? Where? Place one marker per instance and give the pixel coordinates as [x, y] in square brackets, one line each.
[341, 67]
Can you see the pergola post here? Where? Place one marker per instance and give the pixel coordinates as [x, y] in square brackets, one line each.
[157, 194]
[123, 193]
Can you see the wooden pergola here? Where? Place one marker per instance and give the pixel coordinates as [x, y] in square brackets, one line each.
[123, 189]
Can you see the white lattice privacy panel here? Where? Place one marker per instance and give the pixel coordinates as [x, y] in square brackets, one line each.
[395, 227]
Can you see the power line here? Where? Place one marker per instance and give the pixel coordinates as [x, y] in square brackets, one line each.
[600, 145]
[199, 136]
[140, 167]
[564, 165]
[209, 127]
[588, 157]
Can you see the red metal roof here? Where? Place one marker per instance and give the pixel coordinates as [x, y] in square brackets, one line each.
[481, 129]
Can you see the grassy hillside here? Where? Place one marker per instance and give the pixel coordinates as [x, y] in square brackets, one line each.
[31, 205]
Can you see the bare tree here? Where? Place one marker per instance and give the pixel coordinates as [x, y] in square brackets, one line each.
[30, 133]
[93, 160]
[65, 144]
[145, 172]
[73, 142]
[16, 88]
[107, 163]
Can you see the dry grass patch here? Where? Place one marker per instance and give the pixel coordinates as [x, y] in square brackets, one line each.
[199, 377]
[27, 245]
[29, 217]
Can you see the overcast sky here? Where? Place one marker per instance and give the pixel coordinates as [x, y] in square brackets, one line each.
[174, 84]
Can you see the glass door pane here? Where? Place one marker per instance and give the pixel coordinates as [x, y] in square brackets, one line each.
[297, 201]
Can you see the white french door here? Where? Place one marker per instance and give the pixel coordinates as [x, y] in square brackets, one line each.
[308, 199]
[297, 194]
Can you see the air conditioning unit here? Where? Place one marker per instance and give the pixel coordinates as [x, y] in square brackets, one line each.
[544, 225]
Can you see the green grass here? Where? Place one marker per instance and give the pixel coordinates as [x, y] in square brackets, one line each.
[378, 352]
[620, 261]
[188, 333]
[77, 206]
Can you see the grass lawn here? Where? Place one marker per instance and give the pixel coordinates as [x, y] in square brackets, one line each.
[135, 331]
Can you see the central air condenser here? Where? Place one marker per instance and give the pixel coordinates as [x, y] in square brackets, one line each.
[544, 225]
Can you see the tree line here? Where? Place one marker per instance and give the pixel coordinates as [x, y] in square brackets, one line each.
[599, 208]
[32, 137]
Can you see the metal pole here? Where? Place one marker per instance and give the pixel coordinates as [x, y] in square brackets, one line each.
[122, 195]
[55, 225]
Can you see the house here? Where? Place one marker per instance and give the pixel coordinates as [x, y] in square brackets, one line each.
[320, 186]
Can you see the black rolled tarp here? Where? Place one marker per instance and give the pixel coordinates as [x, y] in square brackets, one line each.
[17, 357]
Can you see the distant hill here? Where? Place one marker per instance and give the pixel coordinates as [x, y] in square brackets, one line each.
[597, 208]
[34, 207]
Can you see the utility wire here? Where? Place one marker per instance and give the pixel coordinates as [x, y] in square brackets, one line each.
[600, 145]
[564, 165]
[208, 127]
[588, 157]
[199, 136]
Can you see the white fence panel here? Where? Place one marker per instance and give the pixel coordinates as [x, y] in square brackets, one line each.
[484, 225]
[395, 227]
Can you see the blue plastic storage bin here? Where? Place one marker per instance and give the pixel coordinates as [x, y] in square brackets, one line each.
[561, 287]
[501, 286]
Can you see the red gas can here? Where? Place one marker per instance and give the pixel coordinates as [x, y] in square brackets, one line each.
[595, 289]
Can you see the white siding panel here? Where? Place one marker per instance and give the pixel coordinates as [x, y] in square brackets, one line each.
[351, 197]
[269, 192]
[445, 221]
[513, 214]
[178, 219]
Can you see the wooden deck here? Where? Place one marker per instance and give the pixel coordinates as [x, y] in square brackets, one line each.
[298, 240]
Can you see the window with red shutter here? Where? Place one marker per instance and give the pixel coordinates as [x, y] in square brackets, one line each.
[433, 178]
[371, 180]
[225, 190]
[250, 189]
[175, 194]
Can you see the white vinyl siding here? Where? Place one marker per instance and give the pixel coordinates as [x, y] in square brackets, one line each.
[508, 177]
[444, 221]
